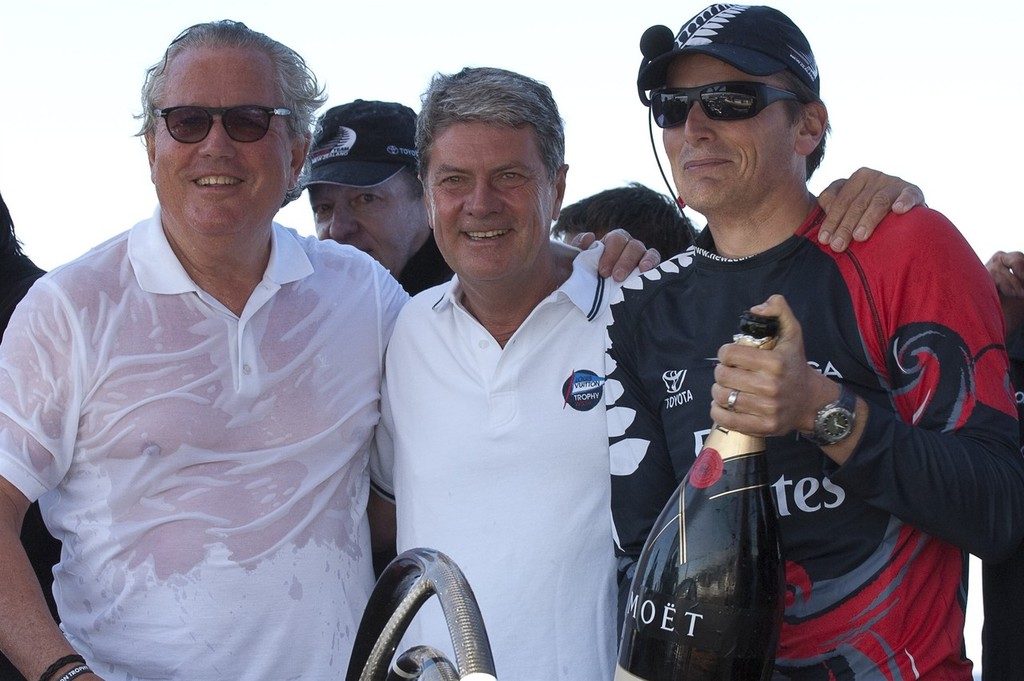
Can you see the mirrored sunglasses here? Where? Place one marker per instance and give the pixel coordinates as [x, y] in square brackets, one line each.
[730, 101]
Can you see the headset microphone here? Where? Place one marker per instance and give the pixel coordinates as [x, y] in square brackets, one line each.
[656, 41]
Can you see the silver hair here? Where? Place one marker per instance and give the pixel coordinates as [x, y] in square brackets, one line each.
[493, 96]
[297, 83]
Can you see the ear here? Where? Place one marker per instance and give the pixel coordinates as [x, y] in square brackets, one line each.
[300, 150]
[428, 204]
[149, 140]
[811, 128]
[556, 206]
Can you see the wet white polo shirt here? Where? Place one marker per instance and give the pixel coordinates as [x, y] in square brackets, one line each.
[208, 471]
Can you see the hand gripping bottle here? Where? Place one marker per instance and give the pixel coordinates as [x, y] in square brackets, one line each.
[707, 597]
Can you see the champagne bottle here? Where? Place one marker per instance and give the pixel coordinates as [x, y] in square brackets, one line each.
[707, 597]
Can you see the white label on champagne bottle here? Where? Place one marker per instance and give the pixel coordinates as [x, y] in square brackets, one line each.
[622, 675]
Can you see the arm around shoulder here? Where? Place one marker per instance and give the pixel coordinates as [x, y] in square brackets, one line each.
[855, 207]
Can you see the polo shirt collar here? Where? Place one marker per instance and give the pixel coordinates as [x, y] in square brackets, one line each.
[158, 270]
[584, 287]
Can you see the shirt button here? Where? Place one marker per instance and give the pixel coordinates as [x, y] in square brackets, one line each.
[246, 369]
[483, 345]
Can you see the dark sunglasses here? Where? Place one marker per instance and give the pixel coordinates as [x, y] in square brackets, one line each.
[731, 101]
[191, 124]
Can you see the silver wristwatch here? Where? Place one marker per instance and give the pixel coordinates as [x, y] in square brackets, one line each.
[834, 422]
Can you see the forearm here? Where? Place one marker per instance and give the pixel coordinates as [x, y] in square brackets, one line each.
[940, 448]
[965, 487]
[28, 635]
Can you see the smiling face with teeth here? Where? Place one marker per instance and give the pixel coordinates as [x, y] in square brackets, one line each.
[491, 202]
[219, 193]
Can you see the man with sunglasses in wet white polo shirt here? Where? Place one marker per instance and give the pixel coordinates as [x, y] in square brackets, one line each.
[176, 400]
[891, 448]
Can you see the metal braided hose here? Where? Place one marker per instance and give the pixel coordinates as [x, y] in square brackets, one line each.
[407, 582]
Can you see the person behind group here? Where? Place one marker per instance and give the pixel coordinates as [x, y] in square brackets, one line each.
[17, 274]
[1002, 655]
[892, 448]
[1007, 272]
[646, 214]
[365, 192]
[492, 440]
[198, 394]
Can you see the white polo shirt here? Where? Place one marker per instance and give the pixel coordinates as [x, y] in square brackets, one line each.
[500, 460]
[207, 471]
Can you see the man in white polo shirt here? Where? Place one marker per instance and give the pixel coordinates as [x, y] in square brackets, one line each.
[499, 456]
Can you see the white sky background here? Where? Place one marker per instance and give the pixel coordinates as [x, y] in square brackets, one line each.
[925, 89]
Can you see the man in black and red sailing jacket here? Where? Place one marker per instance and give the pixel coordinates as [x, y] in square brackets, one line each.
[892, 430]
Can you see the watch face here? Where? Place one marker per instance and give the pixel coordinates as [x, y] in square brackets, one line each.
[834, 421]
[836, 424]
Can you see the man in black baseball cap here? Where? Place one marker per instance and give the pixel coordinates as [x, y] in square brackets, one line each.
[364, 190]
[757, 40]
[892, 449]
